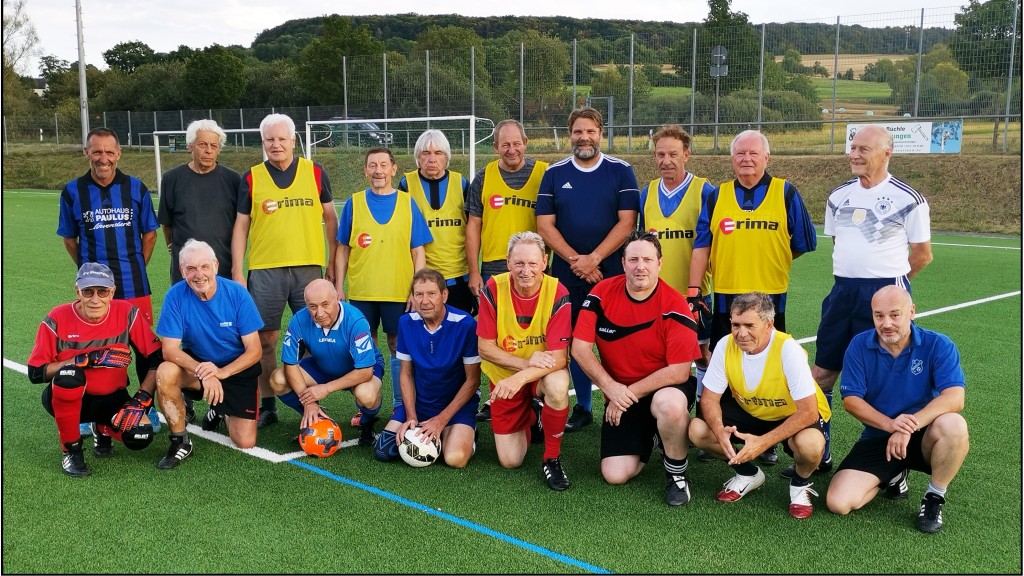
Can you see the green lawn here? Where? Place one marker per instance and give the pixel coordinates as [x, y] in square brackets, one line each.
[850, 89]
[225, 511]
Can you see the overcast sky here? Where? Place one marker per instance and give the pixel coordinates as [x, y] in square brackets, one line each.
[166, 25]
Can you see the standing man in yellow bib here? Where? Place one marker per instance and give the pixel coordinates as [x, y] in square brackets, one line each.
[381, 239]
[502, 200]
[748, 235]
[669, 208]
[440, 194]
[287, 217]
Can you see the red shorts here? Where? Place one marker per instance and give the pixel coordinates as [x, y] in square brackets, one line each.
[145, 305]
[516, 413]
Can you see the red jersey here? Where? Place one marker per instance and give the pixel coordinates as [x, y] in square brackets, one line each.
[636, 339]
[63, 334]
[559, 329]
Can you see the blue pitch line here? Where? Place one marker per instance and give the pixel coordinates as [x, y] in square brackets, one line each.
[460, 521]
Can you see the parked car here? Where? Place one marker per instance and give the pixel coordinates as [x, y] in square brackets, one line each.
[361, 134]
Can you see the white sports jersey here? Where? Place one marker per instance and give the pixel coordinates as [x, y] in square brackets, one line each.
[794, 366]
[872, 228]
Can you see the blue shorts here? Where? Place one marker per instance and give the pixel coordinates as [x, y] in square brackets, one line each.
[320, 377]
[383, 313]
[846, 312]
[466, 415]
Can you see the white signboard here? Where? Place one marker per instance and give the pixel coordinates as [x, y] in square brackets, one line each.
[917, 137]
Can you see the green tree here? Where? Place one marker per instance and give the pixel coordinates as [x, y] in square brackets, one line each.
[213, 78]
[981, 41]
[320, 67]
[126, 57]
[792, 62]
[20, 43]
[156, 86]
[881, 71]
[270, 84]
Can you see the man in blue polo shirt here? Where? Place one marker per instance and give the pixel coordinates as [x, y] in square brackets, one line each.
[339, 355]
[437, 346]
[906, 385]
[586, 207]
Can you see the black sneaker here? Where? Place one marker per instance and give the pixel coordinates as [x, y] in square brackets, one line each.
[266, 418]
[824, 467]
[678, 490]
[537, 430]
[769, 457]
[190, 411]
[484, 415]
[73, 461]
[179, 450]
[367, 436]
[930, 517]
[580, 417]
[102, 445]
[897, 489]
[553, 473]
[211, 421]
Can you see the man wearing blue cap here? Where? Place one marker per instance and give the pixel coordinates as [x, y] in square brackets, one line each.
[82, 354]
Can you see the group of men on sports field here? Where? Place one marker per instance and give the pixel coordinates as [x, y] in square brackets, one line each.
[642, 296]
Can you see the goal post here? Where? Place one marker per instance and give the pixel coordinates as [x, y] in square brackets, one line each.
[464, 134]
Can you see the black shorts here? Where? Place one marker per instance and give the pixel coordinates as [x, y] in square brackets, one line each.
[869, 456]
[634, 436]
[94, 408]
[734, 415]
[241, 393]
[461, 297]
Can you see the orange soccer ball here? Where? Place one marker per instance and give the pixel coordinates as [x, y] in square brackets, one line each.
[321, 439]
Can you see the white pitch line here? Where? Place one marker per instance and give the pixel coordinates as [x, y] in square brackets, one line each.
[961, 245]
[940, 310]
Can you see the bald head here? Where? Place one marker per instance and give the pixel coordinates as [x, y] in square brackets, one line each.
[892, 311]
[322, 302]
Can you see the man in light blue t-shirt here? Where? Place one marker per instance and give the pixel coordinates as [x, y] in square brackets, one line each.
[211, 347]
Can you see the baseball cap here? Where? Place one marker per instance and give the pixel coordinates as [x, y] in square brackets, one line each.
[94, 274]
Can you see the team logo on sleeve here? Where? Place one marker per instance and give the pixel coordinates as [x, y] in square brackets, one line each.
[363, 343]
[364, 240]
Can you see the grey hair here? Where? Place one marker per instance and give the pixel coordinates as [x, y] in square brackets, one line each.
[438, 140]
[744, 134]
[509, 122]
[526, 238]
[193, 245]
[275, 120]
[759, 302]
[207, 126]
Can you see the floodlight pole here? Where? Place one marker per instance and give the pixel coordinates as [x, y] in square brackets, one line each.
[83, 89]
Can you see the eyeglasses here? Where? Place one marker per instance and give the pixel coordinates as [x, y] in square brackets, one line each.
[101, 292]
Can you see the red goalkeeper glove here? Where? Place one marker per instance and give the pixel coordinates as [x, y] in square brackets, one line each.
[104, 358]
[131, 413]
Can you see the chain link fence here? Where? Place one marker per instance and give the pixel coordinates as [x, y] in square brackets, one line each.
[802, 87]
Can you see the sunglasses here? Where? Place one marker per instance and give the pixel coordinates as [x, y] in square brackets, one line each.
[101, 292]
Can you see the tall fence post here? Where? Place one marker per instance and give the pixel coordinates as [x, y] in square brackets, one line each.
[1009, 80]
[835, 85]
[522, 91]
[472, 85]
[920, 54]
[426, 69]
[56, 129]
[575, 63]
[760, 82]
[344, 86]
[241, 124]
[130, 131]
[632, 69]
[385, 61]
[693, 82]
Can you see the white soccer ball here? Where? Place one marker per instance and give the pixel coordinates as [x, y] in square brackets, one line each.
[417, 451]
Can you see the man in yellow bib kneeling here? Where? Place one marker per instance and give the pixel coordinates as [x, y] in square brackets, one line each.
[772, 398]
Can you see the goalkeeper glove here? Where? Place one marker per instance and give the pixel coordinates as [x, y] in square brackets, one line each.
[131, 413]
[104, 358]
[699, 308]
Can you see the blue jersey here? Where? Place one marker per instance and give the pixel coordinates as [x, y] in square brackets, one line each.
[109, 222]
[586, 205]
[382, 207]
[346, 346]
[211, 329]
[902, 385]
[438, 357]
